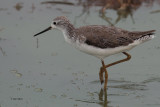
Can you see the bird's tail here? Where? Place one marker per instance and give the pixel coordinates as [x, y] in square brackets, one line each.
[146, 37]
[142, 36]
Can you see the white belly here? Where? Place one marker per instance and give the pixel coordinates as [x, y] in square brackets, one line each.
[102, 53]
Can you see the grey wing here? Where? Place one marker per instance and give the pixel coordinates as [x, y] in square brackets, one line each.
[108, 39]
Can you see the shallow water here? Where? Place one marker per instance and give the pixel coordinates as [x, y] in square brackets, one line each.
[51, 73]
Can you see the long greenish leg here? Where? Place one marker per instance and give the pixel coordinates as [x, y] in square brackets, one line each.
[103, 68]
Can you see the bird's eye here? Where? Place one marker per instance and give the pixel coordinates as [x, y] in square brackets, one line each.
[54, 23]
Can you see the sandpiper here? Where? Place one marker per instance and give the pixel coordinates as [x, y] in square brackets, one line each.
[100, 41]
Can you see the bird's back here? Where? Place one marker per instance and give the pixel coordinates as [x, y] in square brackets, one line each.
[110, 37]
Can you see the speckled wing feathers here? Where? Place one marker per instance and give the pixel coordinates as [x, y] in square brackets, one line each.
[109, 37]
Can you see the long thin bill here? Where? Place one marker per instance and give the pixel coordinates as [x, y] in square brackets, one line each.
[49, 28]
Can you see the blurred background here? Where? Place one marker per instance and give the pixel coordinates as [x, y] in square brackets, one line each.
[47, 72]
